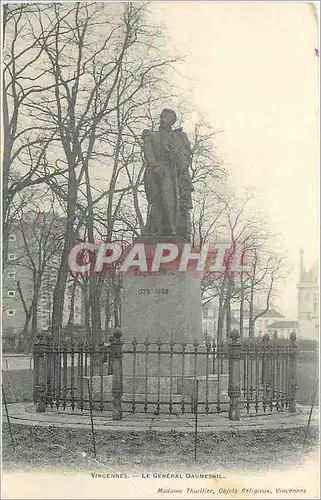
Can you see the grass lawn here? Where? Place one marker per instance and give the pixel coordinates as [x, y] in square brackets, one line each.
[41, 448]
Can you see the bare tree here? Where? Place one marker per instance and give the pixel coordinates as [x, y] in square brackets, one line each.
[40, 233]
[239, 224]
[269, 268]
[101, 62]
[25, 142]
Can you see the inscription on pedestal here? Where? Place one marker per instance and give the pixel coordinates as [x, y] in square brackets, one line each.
[161, 306]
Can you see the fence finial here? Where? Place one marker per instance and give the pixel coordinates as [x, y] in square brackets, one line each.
[234, 335]
[117, 333]
[293, 336]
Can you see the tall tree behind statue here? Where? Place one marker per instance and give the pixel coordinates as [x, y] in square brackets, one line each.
[97, 65]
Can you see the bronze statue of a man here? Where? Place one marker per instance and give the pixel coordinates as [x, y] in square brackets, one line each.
[167, 179]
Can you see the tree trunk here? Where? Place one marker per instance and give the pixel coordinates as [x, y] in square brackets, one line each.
[242, 315]
[117, 301]
[251, 314]
[228, 318]
[86, 310]
[27, 340]
[220, 324]
[60, 287]
[71, 317]
[34, 324]
[95, 311]
[221, 313]
[28, 312]
[69, 240]
[227, 306]
[241, 309]
[6, 163]
[107, 311]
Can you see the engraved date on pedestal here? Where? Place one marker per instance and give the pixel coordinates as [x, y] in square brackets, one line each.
[156, 291]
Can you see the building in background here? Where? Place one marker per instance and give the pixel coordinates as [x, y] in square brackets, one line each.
[209, 319]
[308, 300]
[261, 325]
[263, 322]
[283, 329]
[14, 272]
[19, 276]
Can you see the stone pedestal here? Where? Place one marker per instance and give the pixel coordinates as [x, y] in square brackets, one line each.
[158, 389]
[165, 308]
[164, 305]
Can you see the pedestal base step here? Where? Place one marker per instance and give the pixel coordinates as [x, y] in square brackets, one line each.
[165, 403]
[140, 400]
[212, 386]
[160, 385]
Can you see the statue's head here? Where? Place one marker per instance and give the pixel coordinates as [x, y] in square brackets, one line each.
[167, 118]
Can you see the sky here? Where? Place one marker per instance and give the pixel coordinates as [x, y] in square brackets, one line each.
[251, 70]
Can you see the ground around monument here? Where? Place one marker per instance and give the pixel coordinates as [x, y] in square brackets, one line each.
[129, 447]
[51, 447]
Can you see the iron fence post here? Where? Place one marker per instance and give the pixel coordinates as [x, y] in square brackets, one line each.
[234, 380]
[40, 375]
[49, 369]
[266, 370]
[117, 374]
[35, 372]
[293, 372]
[111, 339]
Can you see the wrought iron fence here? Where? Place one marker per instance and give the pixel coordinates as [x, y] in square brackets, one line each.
[156, 377]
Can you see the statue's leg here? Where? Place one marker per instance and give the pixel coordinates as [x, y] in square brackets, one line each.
[158, 216]
[154, 223]
[168, 200]
[158, 223]
[184, 226]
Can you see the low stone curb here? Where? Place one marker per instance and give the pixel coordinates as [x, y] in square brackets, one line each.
[25, 414]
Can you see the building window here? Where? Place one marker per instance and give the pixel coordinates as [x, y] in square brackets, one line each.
[12, 256]
[12, 274]
[11, 312]
[12, 237]
[11, 293]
